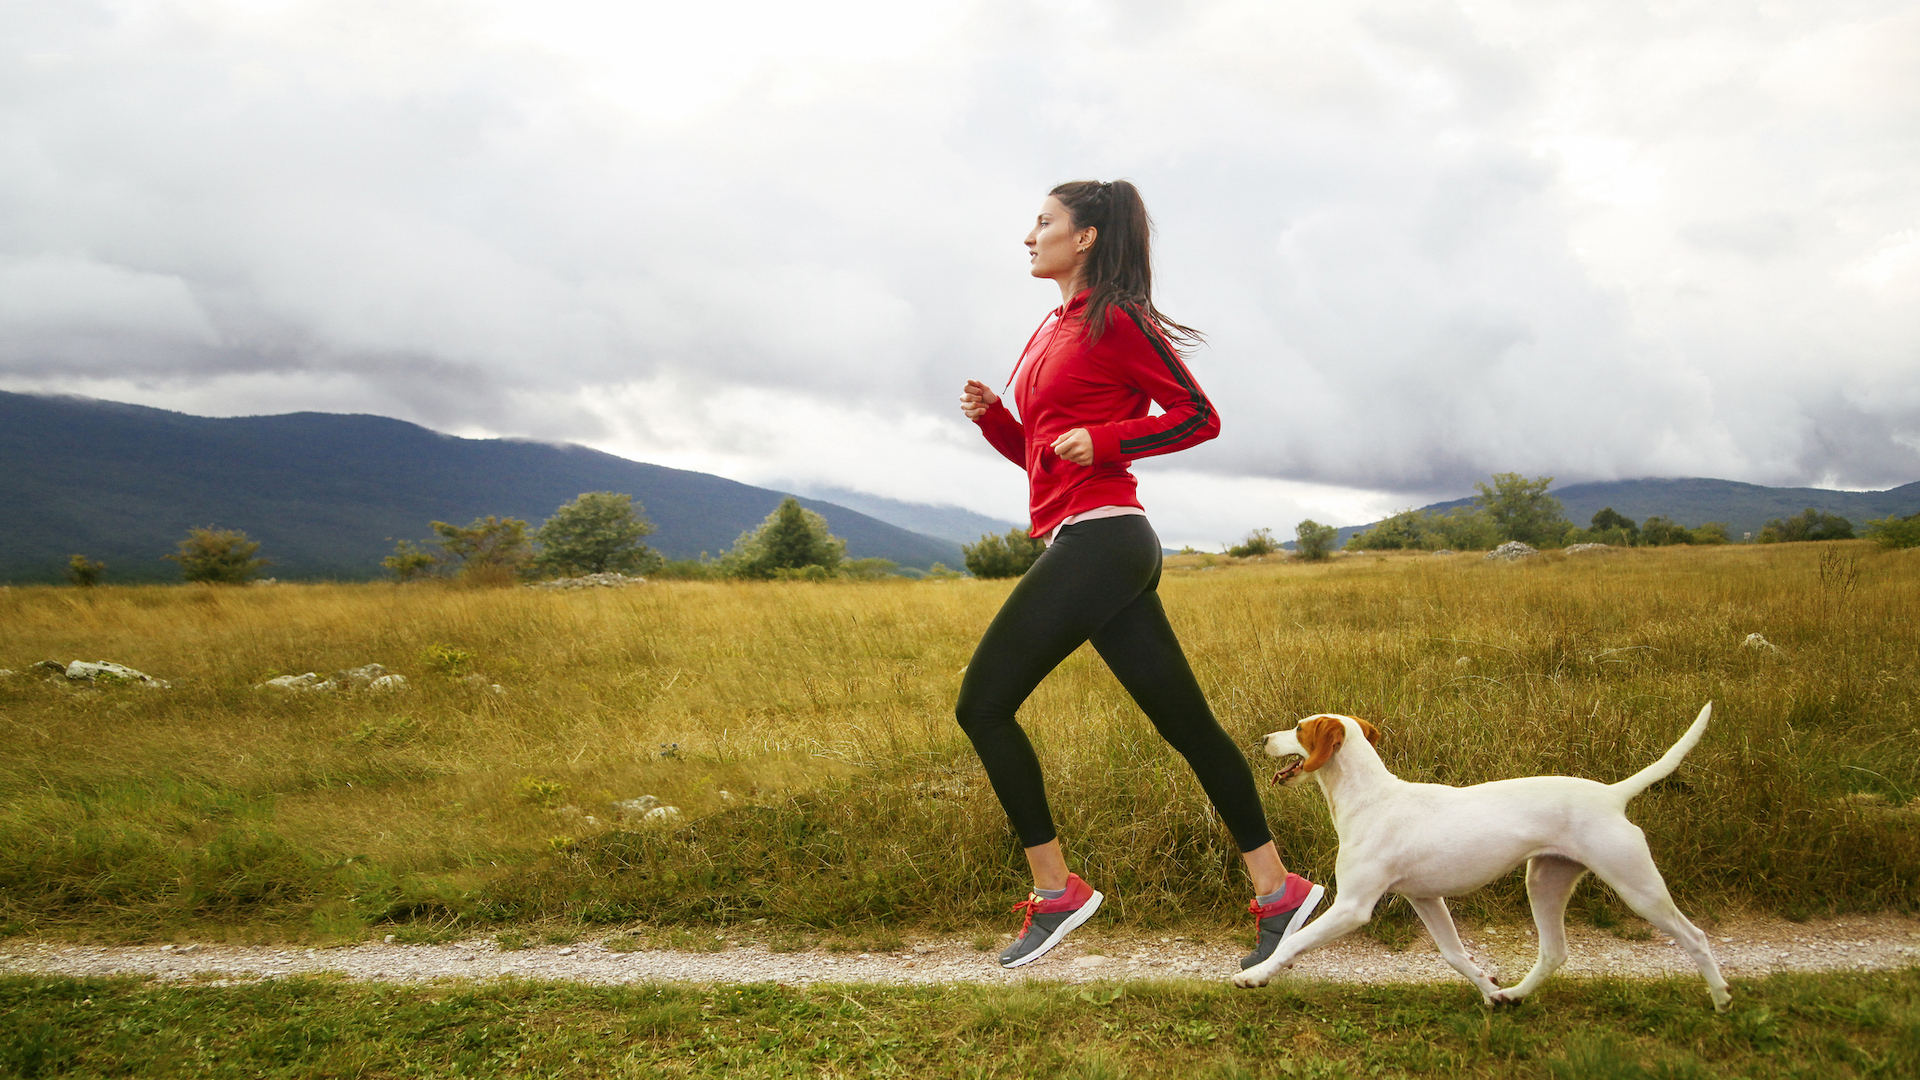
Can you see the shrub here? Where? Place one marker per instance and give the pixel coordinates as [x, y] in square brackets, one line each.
[1461, 529]
[1658, 531]
[84, 572]
[1809, 524]
[1258, 542]
[1713, 532]
[488, 551]
[1895, 532]
[598, 532]
[409, 561]
[218, 556]
[1002, 556]
[791, 538]
[1313, 540]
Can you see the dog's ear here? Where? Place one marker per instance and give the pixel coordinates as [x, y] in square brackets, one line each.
[1372, 733]
[1321, 736]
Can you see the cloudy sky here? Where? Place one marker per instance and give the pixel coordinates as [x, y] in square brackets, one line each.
[1428, 240]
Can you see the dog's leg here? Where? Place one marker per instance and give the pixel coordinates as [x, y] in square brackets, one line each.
[1550, 883]
[1628, 867]
[1348, 913]
[1446, 937]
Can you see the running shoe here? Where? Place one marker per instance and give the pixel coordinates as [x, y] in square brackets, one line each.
[1050, 921]
[1280, 919]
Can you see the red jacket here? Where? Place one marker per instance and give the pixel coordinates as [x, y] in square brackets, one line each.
[1064, 383]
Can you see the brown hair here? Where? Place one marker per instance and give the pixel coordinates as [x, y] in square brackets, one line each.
[1119, 269]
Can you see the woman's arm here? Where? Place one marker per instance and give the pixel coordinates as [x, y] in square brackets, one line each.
[982, 406]
[1142, 358]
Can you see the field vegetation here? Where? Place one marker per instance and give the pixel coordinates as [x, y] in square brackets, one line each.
[804, 731]
[1787, 1026]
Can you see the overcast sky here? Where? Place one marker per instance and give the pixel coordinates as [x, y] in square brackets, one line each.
[1428, 240]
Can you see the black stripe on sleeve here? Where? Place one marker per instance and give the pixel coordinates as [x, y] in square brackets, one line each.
[1203, 409]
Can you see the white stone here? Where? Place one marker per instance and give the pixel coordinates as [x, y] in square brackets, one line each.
[1511, 550]
[106, 672]
[1585, 549]
[635, 807]
[661, 815]
[310, 681]
[1760, 644]
[388, 682]
[1091, 961]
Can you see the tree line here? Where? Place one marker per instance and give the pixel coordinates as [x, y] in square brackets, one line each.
[597, 532]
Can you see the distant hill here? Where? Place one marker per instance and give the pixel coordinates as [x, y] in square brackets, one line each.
[327, 494]
[1696, 501]
[948, 522]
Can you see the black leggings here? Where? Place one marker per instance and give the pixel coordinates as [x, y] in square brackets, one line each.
[1097, 582]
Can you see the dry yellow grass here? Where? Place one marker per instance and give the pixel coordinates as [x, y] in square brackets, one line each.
[824, 713]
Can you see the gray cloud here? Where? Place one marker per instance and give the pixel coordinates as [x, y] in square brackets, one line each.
[1429, 241]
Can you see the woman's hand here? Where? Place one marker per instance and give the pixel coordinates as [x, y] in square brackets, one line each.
[1075, 446]
[976, 398]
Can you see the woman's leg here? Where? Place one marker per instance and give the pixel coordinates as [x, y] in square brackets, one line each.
[1139, 645]
[1089, 573]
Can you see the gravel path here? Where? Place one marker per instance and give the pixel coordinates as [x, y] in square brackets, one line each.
[1746, 947]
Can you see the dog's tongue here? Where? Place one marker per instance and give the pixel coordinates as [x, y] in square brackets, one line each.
[1285, 772]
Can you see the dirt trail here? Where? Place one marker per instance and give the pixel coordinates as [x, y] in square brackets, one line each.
[1745, 947]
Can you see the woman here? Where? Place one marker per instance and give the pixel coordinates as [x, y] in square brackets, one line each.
[1082, 387]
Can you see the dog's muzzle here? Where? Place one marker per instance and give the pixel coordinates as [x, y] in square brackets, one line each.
[1289, 772]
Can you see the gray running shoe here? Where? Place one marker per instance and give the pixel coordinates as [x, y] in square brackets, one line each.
[1280, 919]
[1050, 921]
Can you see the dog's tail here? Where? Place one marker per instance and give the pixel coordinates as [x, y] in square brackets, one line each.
[1669, 761]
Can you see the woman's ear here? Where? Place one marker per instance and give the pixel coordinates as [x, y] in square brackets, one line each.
[1083, 243]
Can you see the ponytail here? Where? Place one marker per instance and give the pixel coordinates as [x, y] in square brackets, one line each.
[1119, 269]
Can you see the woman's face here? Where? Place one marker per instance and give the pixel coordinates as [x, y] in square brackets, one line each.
[1055, 248]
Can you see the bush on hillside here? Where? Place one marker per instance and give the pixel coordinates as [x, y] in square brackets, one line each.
[1002, 556]
[1809, 524]
[598, 532]
[1713, 532]
[1895, 532]
[85, 572]
[218, 556]
[1312, 540]
[791, 541]
[1258, 542]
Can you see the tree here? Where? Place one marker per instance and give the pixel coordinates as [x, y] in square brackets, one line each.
[598, 532]
[788, 543]
[84, 572]
[1660, 532]
[219, 556]
[1461, 529]
[1895, 532]
[1609, 526]
[1002, 556]
[489, 550]
[1258, 542]
[1713, 532]
[409, 561]
[1522, 509]
[1313, 540]
[1809, 524]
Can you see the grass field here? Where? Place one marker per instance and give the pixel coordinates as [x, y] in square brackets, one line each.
[1798, 1026]
[805, 732]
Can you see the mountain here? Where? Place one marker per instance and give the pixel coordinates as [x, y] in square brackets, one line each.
[948, 522]
[328, 494]
[1695, 501]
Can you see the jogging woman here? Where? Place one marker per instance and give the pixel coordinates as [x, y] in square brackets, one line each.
[1082, 388]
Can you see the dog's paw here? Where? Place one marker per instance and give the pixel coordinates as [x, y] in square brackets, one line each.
[1251, 980]
[1503, 1000]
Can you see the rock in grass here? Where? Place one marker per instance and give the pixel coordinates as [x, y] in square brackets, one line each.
[591, 581]
[1585, 549]
[1511, 550]
[635, 807]
[1760, 644]
[108, 673]
[388, 683]
[309, 681]
[662, 815]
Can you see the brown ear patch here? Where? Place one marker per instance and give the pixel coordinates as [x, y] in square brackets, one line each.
[1320, 737]
[1372, 733]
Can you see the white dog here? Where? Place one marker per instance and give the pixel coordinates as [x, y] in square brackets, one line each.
[1429, 841]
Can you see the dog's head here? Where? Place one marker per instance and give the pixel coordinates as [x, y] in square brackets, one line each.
[1314, 743]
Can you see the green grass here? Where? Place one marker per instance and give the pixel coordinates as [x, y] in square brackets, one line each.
[1853, 1025]
[806, 734]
